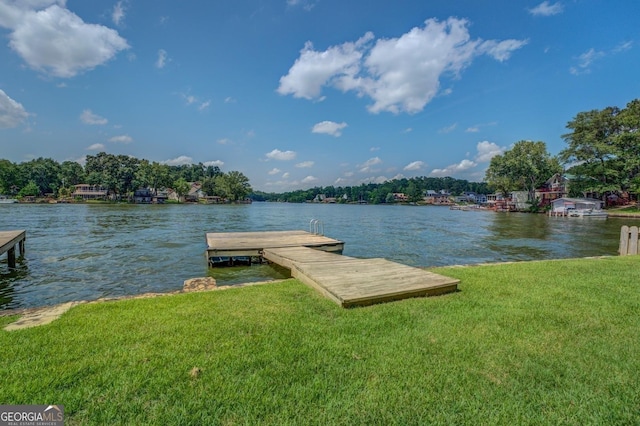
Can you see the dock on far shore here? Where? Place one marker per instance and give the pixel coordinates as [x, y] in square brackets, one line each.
[8, 242]
[317, 261]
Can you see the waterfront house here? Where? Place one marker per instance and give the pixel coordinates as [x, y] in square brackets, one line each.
[437, 197]
[89, 192]
[557, 186]
[400, 197]
[143, 196]
[195, 193]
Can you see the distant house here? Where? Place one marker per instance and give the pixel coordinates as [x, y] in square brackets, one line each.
[400, 197]
[143, 196]
[89, 192]
[160, 197]
[195, 192]
[557, 186]
[437, 197]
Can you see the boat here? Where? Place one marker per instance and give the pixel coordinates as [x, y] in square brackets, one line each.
[586, 209]
[6, 200]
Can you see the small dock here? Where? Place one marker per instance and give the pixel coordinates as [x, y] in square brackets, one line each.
[348, 281]
[8, 242]
[234, 245]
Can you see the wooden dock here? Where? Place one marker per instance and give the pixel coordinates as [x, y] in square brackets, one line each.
[348, 281]
[238, 244]
[8, 242]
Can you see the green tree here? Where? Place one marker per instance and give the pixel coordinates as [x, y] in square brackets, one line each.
[44, 172]
[525, 167]
[31, 189]
[181, 186]
[9, 177]
[209, 186]
[592, 145]
[233, 186]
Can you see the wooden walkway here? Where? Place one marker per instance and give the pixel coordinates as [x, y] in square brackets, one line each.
[8, 242]
[348, 281]
[253, 243]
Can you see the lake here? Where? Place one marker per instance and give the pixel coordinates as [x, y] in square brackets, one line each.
[88, 251]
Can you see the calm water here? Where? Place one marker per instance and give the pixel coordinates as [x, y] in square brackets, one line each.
[83, 252]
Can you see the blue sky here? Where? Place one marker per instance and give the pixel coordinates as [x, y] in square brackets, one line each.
[303, 93]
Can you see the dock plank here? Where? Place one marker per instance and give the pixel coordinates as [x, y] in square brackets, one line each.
[350, 281]
[252, 243]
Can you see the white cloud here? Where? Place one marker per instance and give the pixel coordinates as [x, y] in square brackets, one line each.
[229, 100]
[54, 40]
[224, 141]
[276, 154]
[179, 161]
[309, 179]
[214, 163]
[305, 164]
[162, 59]
[375, 179]
[501, 51]
[285, 175]
[88, 117]
[314, 69]
[585, 60]
[448, 129]
[454, 168]
[12, 113]
[366, 166]
[121, 139]
[546, 9]
[95, 147]
[416, 165]
[473, 129]
[204, 105]
[274, 171]
[487, 150]
[398, 74]
[624, 46]
[118, 13]
[329, 127]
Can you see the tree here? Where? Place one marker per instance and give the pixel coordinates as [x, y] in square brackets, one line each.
[71, 173]
[43, 172]
[233, 186]
[524, 167]
[31, 189]
[9, 178]
[181, 186]
[209, 186]
[592, 145]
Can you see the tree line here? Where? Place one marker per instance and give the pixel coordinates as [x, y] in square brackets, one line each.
[379, 193]
[121, 175]
[602, 157]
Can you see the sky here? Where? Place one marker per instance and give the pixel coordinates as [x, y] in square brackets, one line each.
[303, 93]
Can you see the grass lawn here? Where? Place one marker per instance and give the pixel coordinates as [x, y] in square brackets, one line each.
[552, 343]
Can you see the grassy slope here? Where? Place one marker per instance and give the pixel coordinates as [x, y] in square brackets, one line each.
[530, 343]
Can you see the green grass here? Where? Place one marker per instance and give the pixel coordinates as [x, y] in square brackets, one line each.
[630, 209]
[552, 343]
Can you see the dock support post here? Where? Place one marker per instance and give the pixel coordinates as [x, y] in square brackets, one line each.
[11, 257]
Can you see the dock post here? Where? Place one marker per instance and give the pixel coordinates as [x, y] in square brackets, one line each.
[11, 257]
